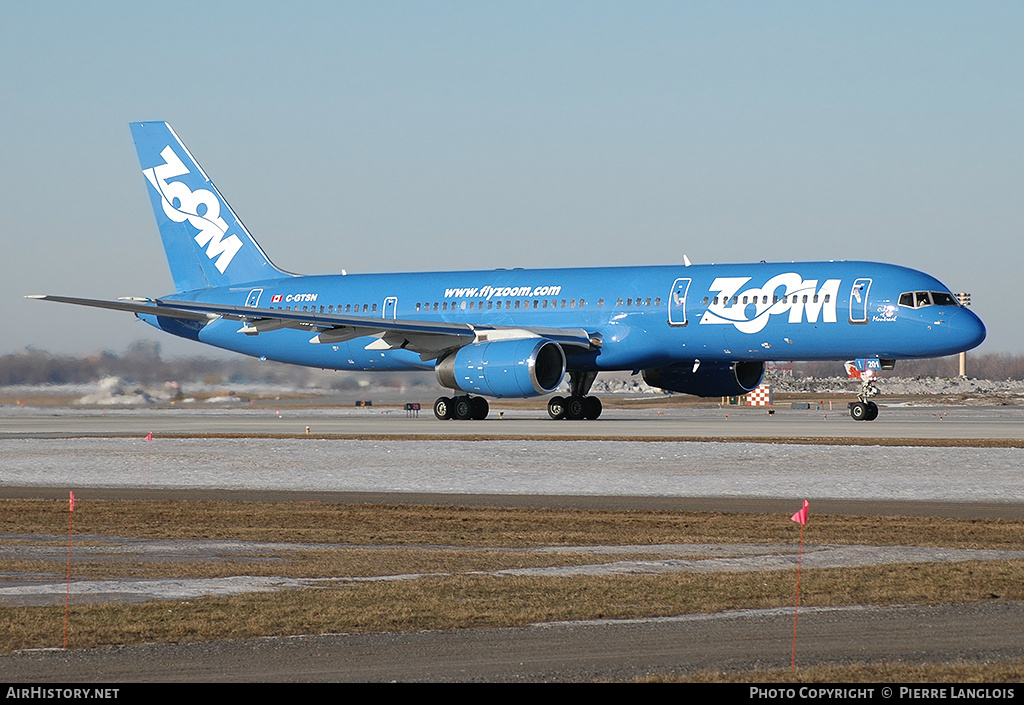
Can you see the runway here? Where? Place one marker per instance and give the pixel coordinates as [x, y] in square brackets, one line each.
[935, 425]
[640, 459]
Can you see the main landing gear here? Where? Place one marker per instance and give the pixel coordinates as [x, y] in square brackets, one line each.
[577, 405]
[574, 408]
[462, 408]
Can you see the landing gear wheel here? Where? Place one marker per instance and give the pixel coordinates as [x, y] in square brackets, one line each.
[462, 408]
[864, 411]
[592, 407]
[443, 408]
[556, 408]
[859, 411]
[575, 408]
[480, 408]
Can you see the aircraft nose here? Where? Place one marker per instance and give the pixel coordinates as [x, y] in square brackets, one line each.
[967, 330]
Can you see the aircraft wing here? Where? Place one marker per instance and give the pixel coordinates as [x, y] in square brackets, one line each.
[431, 339]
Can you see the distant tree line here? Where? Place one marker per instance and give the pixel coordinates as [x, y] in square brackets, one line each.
[142, 363]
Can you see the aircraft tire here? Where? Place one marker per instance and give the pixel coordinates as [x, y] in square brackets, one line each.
[574, 408]
[443, 408]
[556, 408]
[872, 411]
[480, 408]
[859, 411]
[592, 407]
[462, 408]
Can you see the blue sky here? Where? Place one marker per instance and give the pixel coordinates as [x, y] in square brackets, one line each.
[397, 136]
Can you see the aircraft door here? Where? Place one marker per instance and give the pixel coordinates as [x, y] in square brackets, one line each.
[677, 302]
[391, 307]
[859, 301]
[253, 301]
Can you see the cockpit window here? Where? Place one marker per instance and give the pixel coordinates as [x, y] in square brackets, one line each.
[920, 299]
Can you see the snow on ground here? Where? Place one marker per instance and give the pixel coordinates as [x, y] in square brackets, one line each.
[682, 468]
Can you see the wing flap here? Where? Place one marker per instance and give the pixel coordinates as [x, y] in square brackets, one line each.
[431, 339]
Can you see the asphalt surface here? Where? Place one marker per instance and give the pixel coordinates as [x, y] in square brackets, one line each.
[563, 652]
[938, 425]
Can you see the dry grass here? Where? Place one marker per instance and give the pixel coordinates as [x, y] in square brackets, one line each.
[459, 588]
[462, 601]
[404, 525]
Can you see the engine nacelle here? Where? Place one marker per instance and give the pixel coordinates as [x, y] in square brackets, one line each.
[524, 367]
[711, 379]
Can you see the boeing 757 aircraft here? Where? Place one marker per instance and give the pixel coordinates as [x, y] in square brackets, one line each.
[702, 329]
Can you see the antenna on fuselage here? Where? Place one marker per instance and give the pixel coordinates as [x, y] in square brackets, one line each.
[686, 261]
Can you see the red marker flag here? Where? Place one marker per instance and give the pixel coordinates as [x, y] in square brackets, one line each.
[150, 436]
[801, 516]
[71, 503]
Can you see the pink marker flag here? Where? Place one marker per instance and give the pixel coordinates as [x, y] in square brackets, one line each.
[71, 503]
[150, 436]
[801, 519]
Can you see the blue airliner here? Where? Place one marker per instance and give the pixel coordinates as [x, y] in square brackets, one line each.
[706, 330]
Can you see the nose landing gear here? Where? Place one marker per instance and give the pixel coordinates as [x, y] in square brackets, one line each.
[863, 409]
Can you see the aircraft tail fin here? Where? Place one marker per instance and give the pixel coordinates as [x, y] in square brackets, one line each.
[205, 242]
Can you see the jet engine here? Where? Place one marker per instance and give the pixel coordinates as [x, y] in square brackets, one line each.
[707, 379]
[524, 367]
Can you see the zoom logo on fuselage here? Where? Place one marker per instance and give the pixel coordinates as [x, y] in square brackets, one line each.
[750, 309]
[201, 208]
